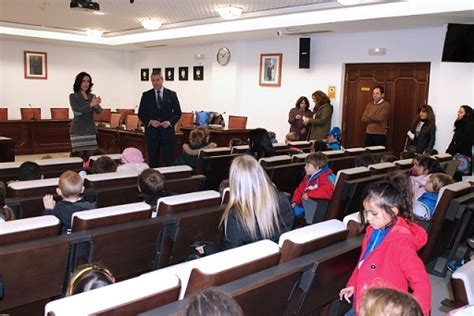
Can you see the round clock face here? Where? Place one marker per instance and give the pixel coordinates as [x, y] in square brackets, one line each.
[223, 56]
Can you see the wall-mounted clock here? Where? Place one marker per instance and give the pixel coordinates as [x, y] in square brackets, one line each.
[223, 56]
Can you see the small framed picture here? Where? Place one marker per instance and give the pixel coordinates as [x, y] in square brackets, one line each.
[270, 70]
[145, 74]
[36, 65]
[198, 72]
[156, 71]
[183, 73]
[169, 74]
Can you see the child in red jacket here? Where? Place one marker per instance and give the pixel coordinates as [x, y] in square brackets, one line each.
[389, 251]
[317, 184]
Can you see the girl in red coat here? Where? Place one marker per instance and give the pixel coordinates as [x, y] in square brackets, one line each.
[389, 250]
[317, 184]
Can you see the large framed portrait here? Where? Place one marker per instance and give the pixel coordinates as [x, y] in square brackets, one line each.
[36, 65]
[270, 70]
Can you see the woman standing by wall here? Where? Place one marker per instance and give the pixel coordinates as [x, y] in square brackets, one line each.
[463, 139]
[422, 135]
[295, 117]
[83, 104]
[320, 123]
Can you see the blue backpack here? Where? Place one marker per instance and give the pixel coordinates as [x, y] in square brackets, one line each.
[202, 118]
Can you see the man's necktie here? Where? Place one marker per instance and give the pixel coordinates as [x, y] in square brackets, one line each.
[158, 99]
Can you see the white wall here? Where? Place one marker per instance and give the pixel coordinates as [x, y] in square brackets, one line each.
[109, 70]
[234, 88]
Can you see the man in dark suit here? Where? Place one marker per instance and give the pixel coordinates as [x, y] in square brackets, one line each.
[159, 111]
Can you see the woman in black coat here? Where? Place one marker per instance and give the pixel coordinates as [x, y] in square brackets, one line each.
[422, 135]
[463, 132]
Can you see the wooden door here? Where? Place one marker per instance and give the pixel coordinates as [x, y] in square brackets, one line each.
[406, 88]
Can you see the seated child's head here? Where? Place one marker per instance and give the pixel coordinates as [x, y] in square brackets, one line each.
[436, 181]
[198, 136]
[6, 214]
[236, 142]
[423, 165]
[89, 277]
[131, 155]
[364, 160]
[385, 200]
[333, 135]
[314, 162]
[104, 164]
[320, 145]
[212, 302]
[388, 302]
[272, 135]
[70, 185]
[151, 182]
[388, 158]
[430, 152]
[291, 137]
[29, 171]
[223, 185]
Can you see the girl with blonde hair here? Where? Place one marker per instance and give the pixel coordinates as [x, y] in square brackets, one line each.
[256, 210]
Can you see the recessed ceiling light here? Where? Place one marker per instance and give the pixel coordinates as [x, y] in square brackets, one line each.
[98, 13]
[151, 24]
[94, 33]
[229, 12]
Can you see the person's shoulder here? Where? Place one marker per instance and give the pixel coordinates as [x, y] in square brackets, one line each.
[169, 90]
[148, 91]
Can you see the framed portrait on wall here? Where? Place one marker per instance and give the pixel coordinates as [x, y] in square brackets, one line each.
[198, 72]
[145, 74]
[169, 74]
[270, 70]
[36, 65]
[183, 73]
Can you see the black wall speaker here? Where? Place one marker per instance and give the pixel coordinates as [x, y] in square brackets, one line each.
[459, 43]
[305, 45]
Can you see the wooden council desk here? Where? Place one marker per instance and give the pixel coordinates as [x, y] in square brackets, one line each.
[37, 136]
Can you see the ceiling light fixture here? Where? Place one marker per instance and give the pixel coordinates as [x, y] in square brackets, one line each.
[151, 24]
[94, 33]
[230, 12]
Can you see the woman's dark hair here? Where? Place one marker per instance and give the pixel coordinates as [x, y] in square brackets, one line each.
[89, 277]
[78, 81]
[394, 192]
[260, 143]
[431, 121]
[301, 99]
[468, 111]
[29, 170]
[429, 163]
[212, 302]
[364, 160]
[321, 98]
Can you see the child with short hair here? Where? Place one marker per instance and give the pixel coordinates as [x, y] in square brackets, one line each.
[87, 277]
[333, 139]
[103, 164]
[388, 302]
[317, 184]
[423, 166]
[389, 249]
[29, 170]
[6, 213]
[70, 189]
[151, 186]
[319, 145]
[198, 139]
[272, 136]
[425, 205]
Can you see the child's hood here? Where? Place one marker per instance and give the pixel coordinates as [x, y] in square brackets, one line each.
[404, 231]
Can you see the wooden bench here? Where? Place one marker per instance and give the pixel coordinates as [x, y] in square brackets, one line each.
[128, 297]
[29, 229]
[188, 201]
[274, 160]
[225, 266]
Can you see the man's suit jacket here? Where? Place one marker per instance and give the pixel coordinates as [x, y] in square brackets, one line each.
[170, 110]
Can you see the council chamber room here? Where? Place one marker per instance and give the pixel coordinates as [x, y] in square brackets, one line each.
[236, 158]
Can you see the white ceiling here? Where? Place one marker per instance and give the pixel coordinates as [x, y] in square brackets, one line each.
[261, 19]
